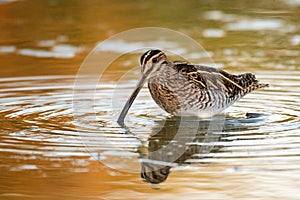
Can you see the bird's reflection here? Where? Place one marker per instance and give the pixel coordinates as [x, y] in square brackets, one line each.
[174, 141]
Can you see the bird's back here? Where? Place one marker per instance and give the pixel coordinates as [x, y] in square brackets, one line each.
[181, 86]
[210, 78]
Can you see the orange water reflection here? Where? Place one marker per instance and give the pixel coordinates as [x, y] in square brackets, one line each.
[40, 154]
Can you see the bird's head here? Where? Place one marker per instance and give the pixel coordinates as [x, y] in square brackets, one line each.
[152, 61]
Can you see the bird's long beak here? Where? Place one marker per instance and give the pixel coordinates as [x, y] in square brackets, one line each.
[131, 99]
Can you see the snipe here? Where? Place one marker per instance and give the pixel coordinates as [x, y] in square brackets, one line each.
[181, 88]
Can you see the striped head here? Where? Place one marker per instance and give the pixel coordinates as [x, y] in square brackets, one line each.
[154, 173]
[152, 60]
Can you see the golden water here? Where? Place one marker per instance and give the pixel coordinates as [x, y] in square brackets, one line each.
[47, 152]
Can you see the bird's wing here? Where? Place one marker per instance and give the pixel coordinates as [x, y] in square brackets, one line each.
[209, 78]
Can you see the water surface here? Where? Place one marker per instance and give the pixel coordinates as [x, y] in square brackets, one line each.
[50, 151]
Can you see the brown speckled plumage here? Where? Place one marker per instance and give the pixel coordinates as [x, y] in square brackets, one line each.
[182, 88]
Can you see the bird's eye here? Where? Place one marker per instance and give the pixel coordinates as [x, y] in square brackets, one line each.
[154, 60]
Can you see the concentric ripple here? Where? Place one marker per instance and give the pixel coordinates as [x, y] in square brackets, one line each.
[260, 132]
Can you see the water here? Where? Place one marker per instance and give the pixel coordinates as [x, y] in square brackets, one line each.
[50, 149]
